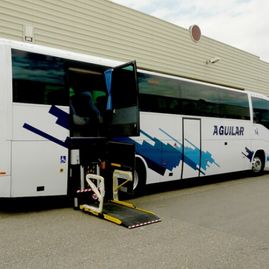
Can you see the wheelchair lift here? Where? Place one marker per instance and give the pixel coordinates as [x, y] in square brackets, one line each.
[92, 196]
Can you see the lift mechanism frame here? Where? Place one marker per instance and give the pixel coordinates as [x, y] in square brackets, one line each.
[98, 193]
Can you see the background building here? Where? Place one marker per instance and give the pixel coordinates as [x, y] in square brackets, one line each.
[103, 28]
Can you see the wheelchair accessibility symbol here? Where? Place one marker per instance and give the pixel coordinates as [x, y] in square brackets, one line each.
[62, 159]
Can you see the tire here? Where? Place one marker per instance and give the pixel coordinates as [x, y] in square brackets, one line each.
[139, 178]
[257, 165]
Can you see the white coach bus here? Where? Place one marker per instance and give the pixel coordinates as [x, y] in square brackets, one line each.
[187, 128]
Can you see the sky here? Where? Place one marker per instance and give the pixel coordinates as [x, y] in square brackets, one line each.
[243, 24]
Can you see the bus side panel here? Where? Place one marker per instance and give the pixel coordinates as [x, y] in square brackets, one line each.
[226, 145]
[160, 146]
[39, 153]
[31, 119]
[4, 169]
[39, 168]
[5, 126]
[4, 186]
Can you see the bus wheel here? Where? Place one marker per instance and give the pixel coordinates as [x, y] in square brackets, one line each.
[257, 164]
[139, 178]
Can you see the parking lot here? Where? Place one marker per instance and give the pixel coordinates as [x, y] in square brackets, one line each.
[223, 223]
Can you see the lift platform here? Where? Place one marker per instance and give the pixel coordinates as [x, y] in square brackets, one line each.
[118, 212]
[125, 214]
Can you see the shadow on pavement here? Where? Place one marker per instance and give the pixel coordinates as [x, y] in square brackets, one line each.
[14, 205]
[194, 182]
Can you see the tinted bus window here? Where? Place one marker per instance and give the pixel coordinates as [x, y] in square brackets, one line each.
[261, 111]
[233, 105]
[167, 95]
[198, 99]
[38, 79]
[159, 94]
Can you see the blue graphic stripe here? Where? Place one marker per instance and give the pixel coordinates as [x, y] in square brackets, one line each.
[63, 117]
[170, 136]
[192, 156]
[206, 157]
[47, 136]
[249, 153]
[147, 135]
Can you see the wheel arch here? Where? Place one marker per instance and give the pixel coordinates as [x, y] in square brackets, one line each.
[140, 158]
[260, 153]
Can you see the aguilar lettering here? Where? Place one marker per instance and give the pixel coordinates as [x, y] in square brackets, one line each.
[228, 130]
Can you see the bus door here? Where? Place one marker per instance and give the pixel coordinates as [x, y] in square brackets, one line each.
[117, 88]
[122, 103]
[191, 141]
[104, 101]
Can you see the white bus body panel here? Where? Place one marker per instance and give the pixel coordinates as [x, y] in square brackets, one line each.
[228, 149]
[39, 166]
[5, 119]
[5, 158]
[152, 141]
[185, 147]
[38, 117]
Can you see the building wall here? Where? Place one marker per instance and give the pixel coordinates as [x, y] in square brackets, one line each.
[103, 28]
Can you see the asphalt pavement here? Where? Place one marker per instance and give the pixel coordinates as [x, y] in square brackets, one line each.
[222, 223]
